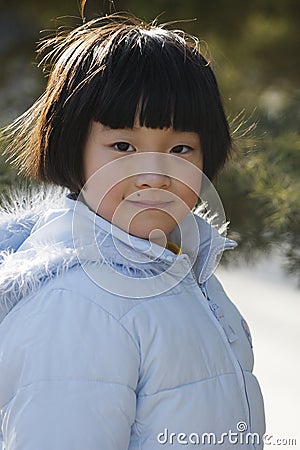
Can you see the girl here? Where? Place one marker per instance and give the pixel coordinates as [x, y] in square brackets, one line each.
[115, 332]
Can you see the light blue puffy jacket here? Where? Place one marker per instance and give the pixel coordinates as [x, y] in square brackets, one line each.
[108, 342]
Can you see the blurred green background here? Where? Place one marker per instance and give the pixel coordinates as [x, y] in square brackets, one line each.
[255, 52]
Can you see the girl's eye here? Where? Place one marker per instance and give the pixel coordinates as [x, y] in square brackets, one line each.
[123, 147]
[181, 149]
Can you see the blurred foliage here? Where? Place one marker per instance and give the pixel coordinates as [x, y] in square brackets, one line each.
[7, 172]
[255, 54]
[260, 188]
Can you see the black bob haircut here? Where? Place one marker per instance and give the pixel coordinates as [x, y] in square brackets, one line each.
[114, 70]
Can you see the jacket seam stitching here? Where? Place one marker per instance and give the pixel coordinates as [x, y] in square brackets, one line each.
[64, 380]
[74, 380]
[190, 383]
[140, 304]
[105, 311]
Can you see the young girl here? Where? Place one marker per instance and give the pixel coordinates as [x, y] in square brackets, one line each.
[115, 334]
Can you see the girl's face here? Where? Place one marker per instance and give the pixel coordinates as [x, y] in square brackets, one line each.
[142, 180]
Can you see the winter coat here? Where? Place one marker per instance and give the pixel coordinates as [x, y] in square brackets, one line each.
[109, 342]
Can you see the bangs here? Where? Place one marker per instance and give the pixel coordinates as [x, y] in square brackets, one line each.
[118, 71]
[153, 82]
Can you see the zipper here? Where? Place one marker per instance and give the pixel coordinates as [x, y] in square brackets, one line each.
[213, 310]
[227, 335]
[219, 315]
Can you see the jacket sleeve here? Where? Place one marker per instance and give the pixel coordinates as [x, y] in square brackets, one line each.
[69, 375]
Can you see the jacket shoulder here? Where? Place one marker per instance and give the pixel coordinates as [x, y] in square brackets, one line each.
[21, 208]
[62, 334]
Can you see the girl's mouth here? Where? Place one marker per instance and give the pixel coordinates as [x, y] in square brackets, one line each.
[151, 204]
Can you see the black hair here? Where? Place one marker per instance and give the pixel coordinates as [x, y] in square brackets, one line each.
[115, 70]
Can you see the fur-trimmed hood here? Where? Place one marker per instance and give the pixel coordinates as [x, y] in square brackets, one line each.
[45, 232]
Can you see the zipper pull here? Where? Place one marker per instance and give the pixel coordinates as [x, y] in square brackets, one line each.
[219, 315]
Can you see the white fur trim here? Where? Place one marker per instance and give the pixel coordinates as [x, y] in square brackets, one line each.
[28, 202]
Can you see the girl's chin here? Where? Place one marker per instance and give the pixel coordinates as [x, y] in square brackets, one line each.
[151, 229]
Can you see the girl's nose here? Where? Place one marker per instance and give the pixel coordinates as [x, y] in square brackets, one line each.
[152, 180]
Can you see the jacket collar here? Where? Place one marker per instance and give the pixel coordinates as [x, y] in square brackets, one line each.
[197, 239]
[36, 245]
[33, 226]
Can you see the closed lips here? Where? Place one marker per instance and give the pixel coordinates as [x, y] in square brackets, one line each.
[151, 202]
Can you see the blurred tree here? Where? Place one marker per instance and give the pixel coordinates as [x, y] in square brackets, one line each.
[260, 188]
[7, 173]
